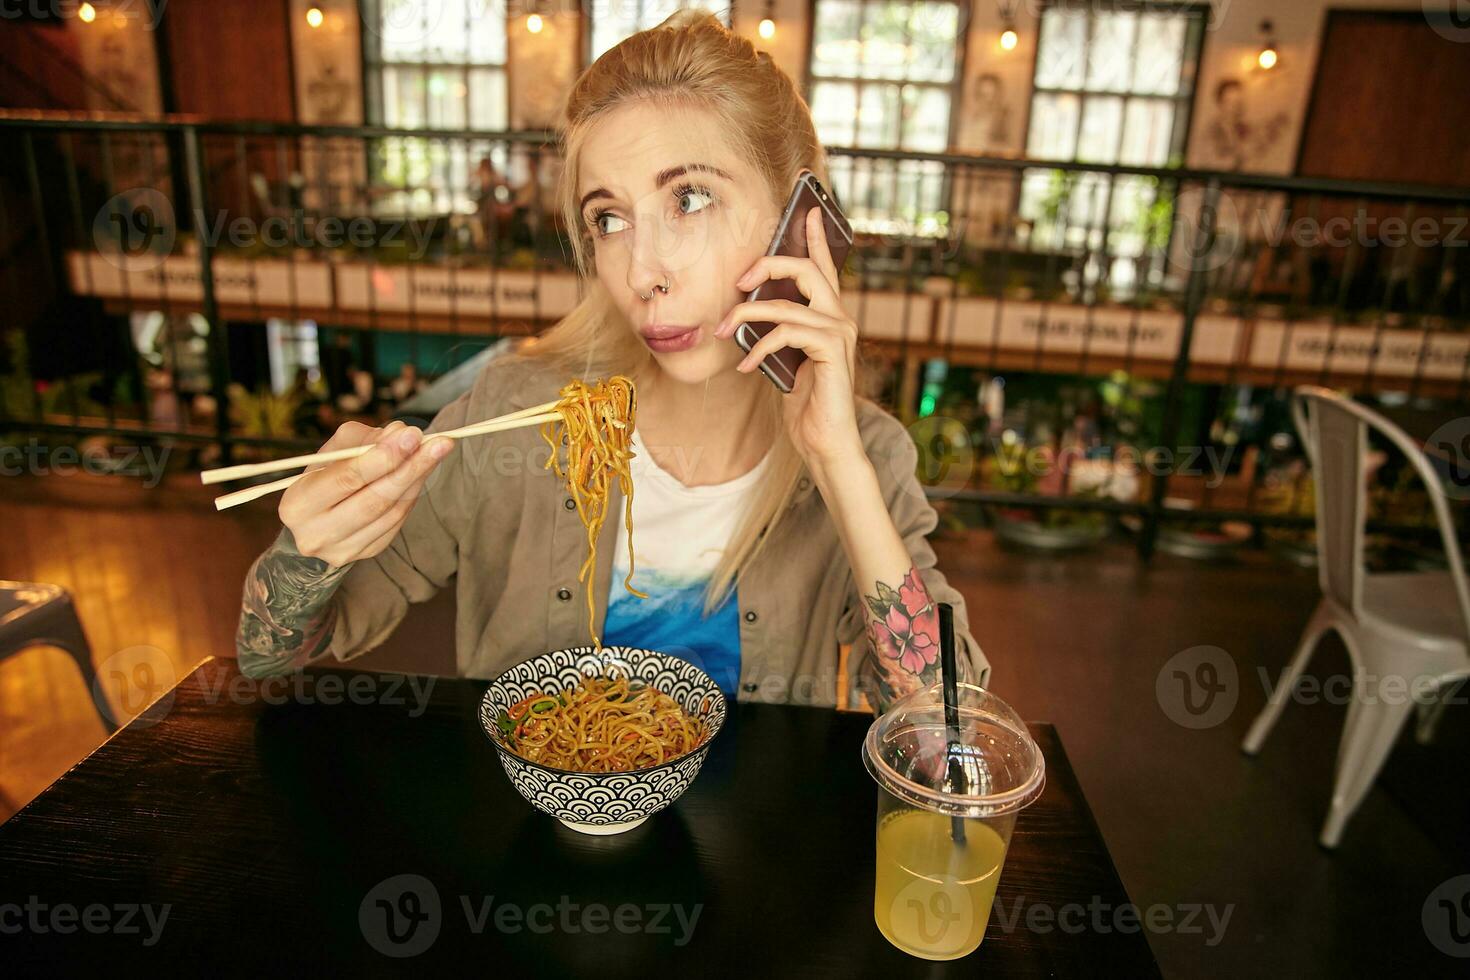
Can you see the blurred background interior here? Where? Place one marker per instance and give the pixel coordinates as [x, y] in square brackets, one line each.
[1098, 247]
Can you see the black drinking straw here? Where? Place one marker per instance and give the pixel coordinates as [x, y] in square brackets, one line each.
[947, 676]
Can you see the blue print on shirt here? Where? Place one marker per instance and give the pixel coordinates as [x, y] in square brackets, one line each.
[671, 620]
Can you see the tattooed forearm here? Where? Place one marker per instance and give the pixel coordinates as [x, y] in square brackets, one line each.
[903, 626]
[287, 615]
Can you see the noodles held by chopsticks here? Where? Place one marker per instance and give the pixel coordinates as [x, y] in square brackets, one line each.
[595, 423]
[601, 725]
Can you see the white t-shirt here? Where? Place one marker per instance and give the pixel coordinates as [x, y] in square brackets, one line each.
[679, 534]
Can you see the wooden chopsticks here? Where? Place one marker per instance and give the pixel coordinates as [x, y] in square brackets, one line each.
[535, 415]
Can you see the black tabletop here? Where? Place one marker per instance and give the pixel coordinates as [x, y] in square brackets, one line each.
[363, 824]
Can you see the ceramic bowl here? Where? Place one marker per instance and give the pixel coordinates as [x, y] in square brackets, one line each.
[598, 802]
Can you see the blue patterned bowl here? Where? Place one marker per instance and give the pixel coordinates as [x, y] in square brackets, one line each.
[603, 802]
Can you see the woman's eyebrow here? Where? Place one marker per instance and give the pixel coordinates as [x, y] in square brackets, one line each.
[664, 176]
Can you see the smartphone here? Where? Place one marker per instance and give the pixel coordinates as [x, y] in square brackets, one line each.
[790, 239]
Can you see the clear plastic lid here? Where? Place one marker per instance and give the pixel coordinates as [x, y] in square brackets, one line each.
[998, 769]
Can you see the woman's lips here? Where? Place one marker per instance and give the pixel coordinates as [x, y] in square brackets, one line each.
[674, 342]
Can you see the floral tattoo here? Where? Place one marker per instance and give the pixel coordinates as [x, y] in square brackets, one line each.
[903, 627]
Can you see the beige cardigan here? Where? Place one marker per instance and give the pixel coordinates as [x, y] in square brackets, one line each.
[500, 526]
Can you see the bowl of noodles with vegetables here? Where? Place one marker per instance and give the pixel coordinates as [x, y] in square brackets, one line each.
[602, 737]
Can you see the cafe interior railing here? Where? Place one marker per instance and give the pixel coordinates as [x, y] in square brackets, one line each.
[1074, 346]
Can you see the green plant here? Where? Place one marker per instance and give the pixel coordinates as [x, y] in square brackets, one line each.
[17, 388]
[1008, 469]
[973, 281]
[72, 394]
[21, 395]
[521, 258]
[1125, 397]
[1291, 494]
[1053, 203]
[263, 414]
[1018, 284]
[1154, 223]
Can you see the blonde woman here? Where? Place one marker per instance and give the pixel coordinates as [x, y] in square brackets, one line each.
[769, 528]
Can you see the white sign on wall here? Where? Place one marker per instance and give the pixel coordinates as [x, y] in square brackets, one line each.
[455, 292]
[175, 279]
[892, 316]
[1103, 331]
[1358, 350]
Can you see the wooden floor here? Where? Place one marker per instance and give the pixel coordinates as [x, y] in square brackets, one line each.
[155, 575]
[1078, 641]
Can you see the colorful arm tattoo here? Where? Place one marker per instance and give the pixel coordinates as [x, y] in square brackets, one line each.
[903, 626]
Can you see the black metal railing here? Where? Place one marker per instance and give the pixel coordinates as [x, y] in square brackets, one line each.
[1062, 338]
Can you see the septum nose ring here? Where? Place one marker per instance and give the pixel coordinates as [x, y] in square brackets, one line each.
[664, 287]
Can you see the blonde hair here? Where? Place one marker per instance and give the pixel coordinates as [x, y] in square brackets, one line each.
[690, 60]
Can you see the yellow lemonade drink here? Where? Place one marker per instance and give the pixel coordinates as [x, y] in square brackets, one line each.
[943, 762]
[933, 895]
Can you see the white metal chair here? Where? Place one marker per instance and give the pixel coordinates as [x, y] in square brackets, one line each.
[1407, 630]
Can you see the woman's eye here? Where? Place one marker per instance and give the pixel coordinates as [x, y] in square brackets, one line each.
[693, 193]
[598, 226]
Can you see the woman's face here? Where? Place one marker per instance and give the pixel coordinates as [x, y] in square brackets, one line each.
[663, 196]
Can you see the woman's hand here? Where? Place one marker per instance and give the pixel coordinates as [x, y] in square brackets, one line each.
[340, 512]
[819, 412]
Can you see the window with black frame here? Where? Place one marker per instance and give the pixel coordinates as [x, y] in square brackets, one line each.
[613, 20]
[433, 64]
[883, 75]
[1112, 85]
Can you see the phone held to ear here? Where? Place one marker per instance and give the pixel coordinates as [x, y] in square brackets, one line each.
[790, 239]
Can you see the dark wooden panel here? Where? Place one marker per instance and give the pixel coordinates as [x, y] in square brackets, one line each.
[230, 59]
[30, 78]
[1388, 102]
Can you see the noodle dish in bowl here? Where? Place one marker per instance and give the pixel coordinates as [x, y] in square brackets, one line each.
[601, 738]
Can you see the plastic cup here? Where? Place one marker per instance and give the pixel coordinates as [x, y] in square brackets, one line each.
[943, 830]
